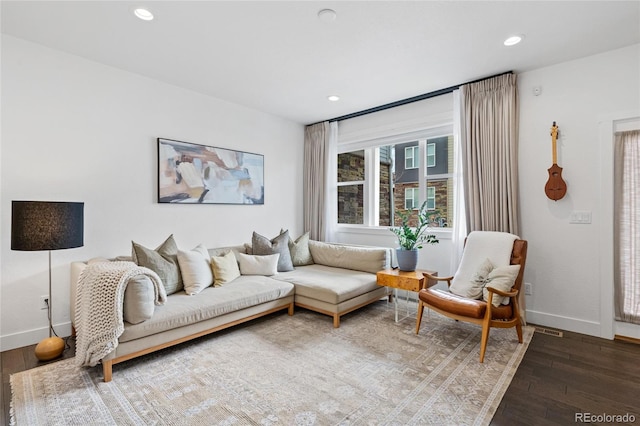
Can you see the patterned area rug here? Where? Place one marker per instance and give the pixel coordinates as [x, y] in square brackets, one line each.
[283, 370]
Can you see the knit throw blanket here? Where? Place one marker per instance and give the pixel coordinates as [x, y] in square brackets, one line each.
[99, 303]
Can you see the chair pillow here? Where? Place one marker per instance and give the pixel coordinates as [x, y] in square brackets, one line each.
[280, 245]
[225, 268]
[163, 261]
[501, 278]
[138, 305]
[195, 267]
[473, 289]
[258, 264]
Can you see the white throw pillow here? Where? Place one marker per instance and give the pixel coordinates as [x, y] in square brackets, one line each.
[195, 269]
[258, 265]
[502, 279]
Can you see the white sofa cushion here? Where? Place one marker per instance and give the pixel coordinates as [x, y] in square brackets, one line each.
[329, 284]
[183, 310]
[367, 259]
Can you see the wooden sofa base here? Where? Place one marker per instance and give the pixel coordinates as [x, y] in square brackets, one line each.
[107, 365]
[336, 315]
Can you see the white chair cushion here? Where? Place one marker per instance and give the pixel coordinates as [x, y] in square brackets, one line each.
[481, 245]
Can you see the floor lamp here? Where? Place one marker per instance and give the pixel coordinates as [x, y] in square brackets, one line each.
[47, 225]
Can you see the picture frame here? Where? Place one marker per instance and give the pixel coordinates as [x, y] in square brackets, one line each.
[190, 173]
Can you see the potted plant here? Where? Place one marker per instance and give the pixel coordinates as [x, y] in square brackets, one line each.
[411, 239]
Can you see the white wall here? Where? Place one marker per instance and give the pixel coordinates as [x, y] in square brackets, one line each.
[565, 260]
[75, 130]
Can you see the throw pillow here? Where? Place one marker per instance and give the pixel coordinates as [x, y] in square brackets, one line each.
[501, 278]
[195, 268]
[280, 245]
[299, 249]
[163, 261]
[479, 280]
[473, 288]
[258, 264]
[138, 305]
[225, 268]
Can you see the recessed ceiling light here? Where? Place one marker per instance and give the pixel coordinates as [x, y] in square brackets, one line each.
[143, 14]
[327, 15]
[513, 40]
[333, 98]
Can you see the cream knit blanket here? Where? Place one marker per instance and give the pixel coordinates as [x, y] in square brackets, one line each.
[99, 301]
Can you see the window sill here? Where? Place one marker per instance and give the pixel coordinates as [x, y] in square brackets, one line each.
[440, 233]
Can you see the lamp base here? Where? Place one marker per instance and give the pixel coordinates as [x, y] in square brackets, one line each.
[49, 348]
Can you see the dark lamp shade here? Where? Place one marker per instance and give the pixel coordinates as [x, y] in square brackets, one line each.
[46, 225]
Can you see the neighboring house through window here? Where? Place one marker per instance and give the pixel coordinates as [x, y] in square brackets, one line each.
[376, 181]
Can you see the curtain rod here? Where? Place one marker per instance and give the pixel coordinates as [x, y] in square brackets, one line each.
[409, 100]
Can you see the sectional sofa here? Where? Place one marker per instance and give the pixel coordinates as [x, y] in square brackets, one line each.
[332, 279]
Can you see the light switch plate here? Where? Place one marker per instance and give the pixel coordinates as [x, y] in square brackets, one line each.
[580, 216]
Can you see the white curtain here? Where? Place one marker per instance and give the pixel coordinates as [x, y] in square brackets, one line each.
[489, 138]
[320, 177]
[627, 226]
[459, 219]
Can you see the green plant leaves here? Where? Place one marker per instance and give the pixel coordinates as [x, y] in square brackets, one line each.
[413, 238]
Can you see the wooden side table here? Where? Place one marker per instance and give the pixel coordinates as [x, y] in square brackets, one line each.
[402, 280]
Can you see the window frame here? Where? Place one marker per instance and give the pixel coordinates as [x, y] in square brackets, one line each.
[415, 153]
[415, 198]
[431, 197]
[431, 145]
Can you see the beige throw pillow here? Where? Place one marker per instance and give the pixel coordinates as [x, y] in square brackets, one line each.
[501, 278]
[225, 268]
[195, 267]
[163, 261]
[258, 264]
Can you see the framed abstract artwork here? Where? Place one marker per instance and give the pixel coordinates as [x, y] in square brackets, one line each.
[189, 173]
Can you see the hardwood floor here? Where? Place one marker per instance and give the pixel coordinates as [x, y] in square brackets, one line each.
[21, 359]
[558, 377]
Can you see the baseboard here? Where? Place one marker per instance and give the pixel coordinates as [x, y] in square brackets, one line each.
[32, 337]
[576, 325]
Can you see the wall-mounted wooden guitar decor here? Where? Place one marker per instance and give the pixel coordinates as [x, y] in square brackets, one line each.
[556, 188]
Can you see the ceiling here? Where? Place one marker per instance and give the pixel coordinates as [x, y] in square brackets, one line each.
[279, 57]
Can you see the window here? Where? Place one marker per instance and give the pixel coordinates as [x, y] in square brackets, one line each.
[411, 197]
[377, 181]
[431, 198]
[351, 172]
[411, 157]
[431, 155]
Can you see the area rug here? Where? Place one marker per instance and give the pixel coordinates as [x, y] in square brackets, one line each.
[283, 370]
